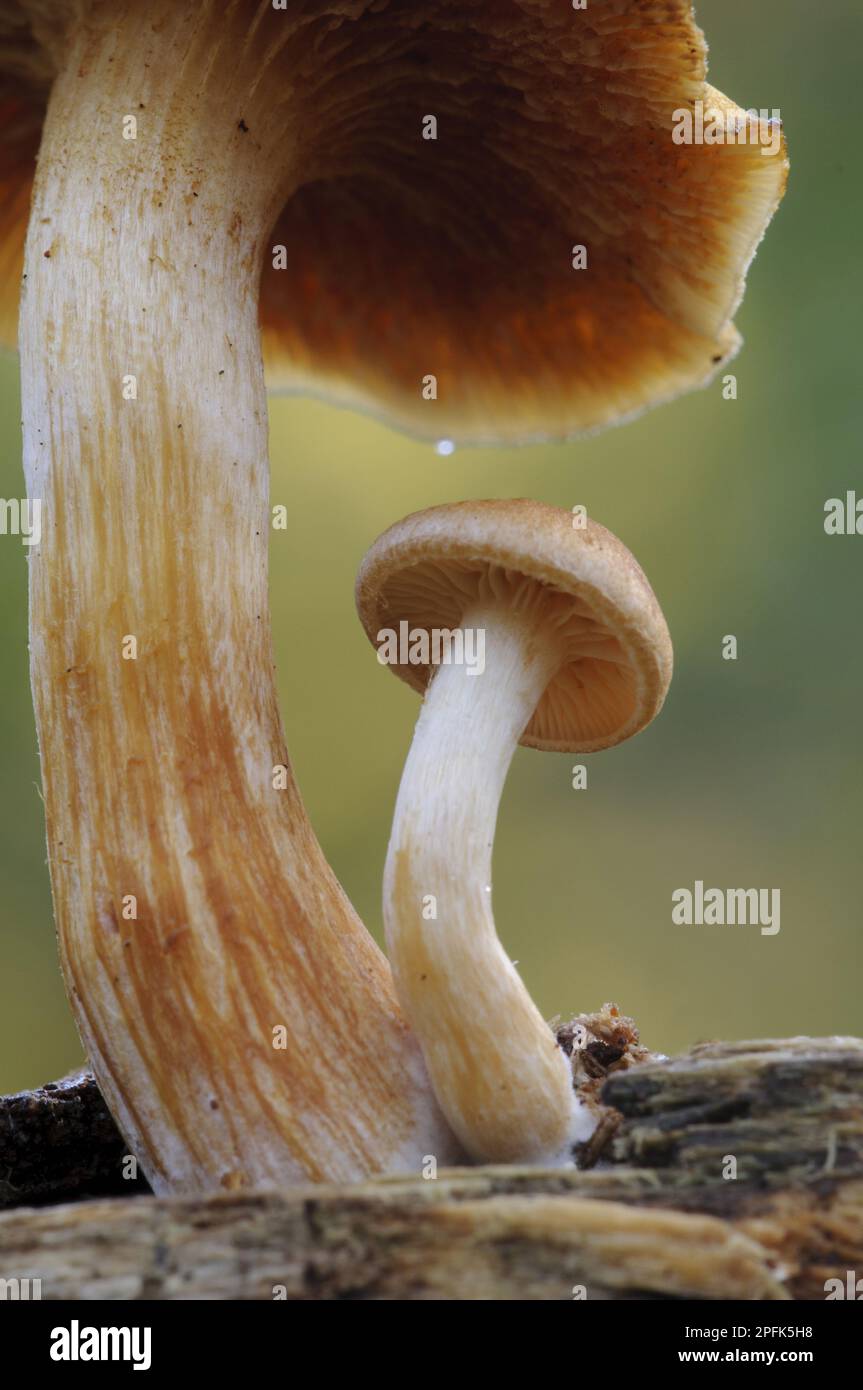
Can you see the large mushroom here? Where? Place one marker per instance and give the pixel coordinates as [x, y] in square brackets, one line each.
[574, 655]
[194, 153]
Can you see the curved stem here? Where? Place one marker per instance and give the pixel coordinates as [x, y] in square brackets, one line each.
[196, 913]
[503, 1083]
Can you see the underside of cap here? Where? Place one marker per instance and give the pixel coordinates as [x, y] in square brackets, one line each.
[430, 281]
[21, 123]
[26, 73]
[435, 566]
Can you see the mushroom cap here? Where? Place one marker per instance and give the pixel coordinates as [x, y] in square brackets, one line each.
[452, 257]
[431, 568]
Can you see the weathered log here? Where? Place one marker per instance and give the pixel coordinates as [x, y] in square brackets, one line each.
[662, 1216]
[60, 1142]
[782, 1108]
[766, 1135]
[400, 1239]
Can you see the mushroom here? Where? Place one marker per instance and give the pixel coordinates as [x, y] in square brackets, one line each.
[574, 656]
[238, 1016]
[199, 160]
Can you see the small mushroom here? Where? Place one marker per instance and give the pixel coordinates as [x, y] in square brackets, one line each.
[577, 657]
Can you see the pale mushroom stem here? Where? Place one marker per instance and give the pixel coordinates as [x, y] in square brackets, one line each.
[503, 1083]
[239, 1019]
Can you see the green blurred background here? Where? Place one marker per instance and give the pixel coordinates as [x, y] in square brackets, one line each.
[751, 777]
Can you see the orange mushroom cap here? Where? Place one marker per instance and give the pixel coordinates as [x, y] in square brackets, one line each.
[431, 567]
[451, 257]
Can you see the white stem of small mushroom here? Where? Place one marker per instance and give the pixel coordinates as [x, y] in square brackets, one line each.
[502, 1081]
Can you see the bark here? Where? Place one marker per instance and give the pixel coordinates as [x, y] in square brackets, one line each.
[60, 1142]
[661, 1216]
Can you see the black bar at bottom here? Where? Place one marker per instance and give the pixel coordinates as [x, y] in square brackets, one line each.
[170, 1338]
